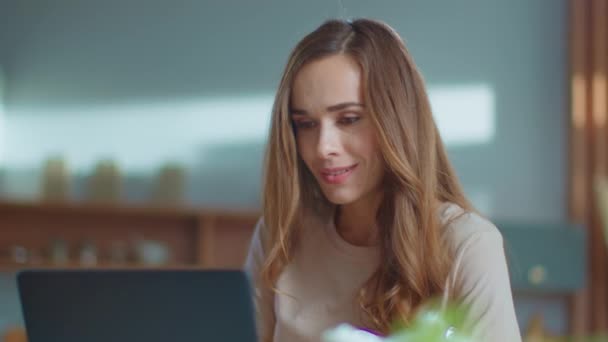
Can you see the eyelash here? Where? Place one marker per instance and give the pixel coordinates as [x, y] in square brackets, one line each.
[349, 120]
[311, 124]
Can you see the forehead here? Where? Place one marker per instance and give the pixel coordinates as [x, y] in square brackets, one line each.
[327, 81]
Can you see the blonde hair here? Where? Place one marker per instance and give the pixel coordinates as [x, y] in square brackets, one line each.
[418, 175]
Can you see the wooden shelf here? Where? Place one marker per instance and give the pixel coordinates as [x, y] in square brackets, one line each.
[8, 266]
[196, 237]
[126, 209]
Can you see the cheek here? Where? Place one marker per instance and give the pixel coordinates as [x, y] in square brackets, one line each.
[365, 147]
[369, 150]
[304, 150]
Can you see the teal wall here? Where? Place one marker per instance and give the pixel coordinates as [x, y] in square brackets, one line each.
[150, 81]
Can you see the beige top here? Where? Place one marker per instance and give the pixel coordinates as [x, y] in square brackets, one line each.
[318, 288]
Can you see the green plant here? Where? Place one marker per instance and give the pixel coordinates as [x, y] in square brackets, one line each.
[433, 323]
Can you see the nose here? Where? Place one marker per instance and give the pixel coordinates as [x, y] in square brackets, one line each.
[328, 144]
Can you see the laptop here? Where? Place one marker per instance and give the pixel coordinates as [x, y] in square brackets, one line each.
[136, 306]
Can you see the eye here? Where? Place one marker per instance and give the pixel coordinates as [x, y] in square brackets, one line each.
[348, 120]
[304, 124]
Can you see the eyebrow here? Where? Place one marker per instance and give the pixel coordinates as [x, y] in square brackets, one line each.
[332, 108]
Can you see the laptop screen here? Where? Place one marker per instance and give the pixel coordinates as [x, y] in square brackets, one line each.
[147, 306]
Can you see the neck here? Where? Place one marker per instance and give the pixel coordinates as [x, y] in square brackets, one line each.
[356, 222]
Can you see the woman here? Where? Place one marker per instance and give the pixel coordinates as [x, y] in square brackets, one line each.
[364, 218]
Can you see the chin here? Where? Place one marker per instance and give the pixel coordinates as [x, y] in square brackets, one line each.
[339, 197]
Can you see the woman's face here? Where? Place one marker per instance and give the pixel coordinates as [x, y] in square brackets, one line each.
[334, 133]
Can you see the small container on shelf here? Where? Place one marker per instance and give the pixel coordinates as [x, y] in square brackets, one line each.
[118, 253]
[88, 254]
[59, 252]
[152, 253]
[169, 185]
[105, 183]
[19, 254]
[55, 180]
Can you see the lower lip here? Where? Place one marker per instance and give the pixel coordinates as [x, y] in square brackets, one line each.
[338, 179]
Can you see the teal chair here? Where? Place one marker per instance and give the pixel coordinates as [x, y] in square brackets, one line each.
[544, 257]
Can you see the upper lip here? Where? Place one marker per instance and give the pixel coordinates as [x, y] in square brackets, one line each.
[327, 170]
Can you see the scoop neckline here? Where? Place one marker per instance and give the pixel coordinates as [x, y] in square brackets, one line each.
[345, 247]
[359, 252]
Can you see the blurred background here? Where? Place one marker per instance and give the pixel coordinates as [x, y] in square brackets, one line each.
[132, 132]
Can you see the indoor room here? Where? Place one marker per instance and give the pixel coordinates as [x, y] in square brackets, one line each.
[140, 136]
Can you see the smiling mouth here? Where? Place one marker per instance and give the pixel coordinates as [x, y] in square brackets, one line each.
[337, 175]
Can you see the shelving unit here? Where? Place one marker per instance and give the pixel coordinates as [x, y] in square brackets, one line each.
[196, 237]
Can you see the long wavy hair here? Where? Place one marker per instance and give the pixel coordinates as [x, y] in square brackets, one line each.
[418, 175]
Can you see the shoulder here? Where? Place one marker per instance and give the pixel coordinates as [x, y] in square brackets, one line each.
[464, 230]
[479, 277]
[257, 252]
[477, 250]
[259, 232]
